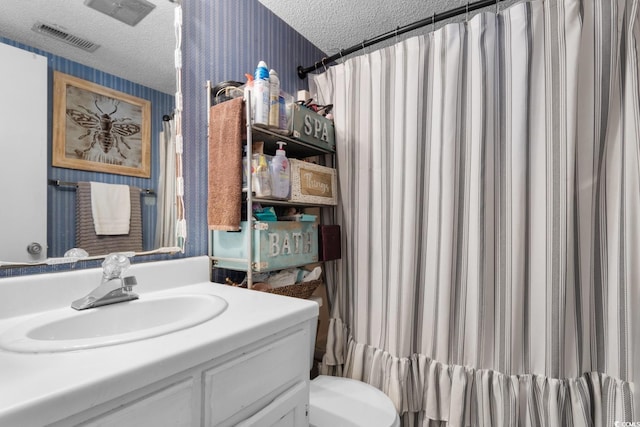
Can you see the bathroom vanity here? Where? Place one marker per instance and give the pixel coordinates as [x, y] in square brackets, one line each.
[248, 365]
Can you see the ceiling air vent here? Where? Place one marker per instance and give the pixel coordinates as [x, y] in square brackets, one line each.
[62, 35]
[128, 11]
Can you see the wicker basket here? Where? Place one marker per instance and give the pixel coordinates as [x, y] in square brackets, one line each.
[299, 290]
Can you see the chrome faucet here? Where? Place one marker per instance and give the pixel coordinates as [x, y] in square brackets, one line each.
[113, 287]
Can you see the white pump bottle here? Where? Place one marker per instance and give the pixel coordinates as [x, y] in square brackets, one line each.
[280, 174]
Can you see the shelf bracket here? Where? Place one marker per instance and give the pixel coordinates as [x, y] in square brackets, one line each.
[261, 226]
[260, 266]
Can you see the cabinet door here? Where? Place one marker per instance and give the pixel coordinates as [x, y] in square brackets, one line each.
[23, 159]
[244, 386]
[288, 410]
[168, 407]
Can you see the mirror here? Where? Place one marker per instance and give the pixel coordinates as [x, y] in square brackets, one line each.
[136, 60]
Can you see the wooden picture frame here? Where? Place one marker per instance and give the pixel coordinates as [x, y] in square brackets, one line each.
[100, 129]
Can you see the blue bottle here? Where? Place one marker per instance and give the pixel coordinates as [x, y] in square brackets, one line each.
[260, 95]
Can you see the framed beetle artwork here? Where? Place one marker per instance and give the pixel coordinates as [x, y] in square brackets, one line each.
[100, 129]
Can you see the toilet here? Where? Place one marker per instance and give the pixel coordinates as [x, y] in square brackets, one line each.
[343, 402]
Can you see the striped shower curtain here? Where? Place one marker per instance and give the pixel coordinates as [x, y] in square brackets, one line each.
[167, 210]
[490, 205]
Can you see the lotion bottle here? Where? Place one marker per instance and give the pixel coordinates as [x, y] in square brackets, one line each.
[260, 94]
[280, 174]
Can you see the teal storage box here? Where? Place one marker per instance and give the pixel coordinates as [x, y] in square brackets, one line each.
[312, 128]
[276, 245]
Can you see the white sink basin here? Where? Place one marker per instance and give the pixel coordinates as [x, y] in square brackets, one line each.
[67, 329]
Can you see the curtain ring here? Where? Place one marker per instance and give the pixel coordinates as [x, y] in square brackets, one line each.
[433, 22]
[467, 12]
[497, 7]
[364, 49]
[341, 58]
[397, 28]
[325, 67]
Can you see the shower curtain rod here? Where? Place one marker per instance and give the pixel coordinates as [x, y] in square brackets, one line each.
[437, 17]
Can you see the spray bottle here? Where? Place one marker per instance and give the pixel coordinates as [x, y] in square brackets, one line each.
[260, 94]
[280, 174]
[274, 99]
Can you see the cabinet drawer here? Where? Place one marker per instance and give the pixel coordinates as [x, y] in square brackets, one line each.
[241, 388]
[170, 407]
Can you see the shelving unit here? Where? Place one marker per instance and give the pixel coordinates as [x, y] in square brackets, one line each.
[295, 149]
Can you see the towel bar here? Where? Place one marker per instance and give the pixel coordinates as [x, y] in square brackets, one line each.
[59, 183]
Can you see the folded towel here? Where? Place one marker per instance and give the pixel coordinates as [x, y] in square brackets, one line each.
[225, 165]
[111, 208]
[86, 237]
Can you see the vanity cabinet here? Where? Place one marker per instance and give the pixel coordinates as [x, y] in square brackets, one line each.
[249, 365]
[261, 385]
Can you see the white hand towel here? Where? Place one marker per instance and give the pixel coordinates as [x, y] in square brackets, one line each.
[111, 208]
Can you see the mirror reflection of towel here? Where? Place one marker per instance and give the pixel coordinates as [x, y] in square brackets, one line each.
[111, 208]
[86, 237]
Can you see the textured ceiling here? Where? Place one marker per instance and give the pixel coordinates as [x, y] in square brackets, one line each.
[143, 54]
[333, 25]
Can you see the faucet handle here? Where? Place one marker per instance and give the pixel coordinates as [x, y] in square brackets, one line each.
[129, 282]
[114, 265]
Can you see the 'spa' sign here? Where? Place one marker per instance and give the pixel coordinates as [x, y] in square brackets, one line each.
[311, 127]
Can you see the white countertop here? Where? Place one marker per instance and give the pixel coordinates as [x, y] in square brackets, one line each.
[37, 389]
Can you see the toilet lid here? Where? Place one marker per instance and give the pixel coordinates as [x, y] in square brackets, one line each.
[345, 402]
